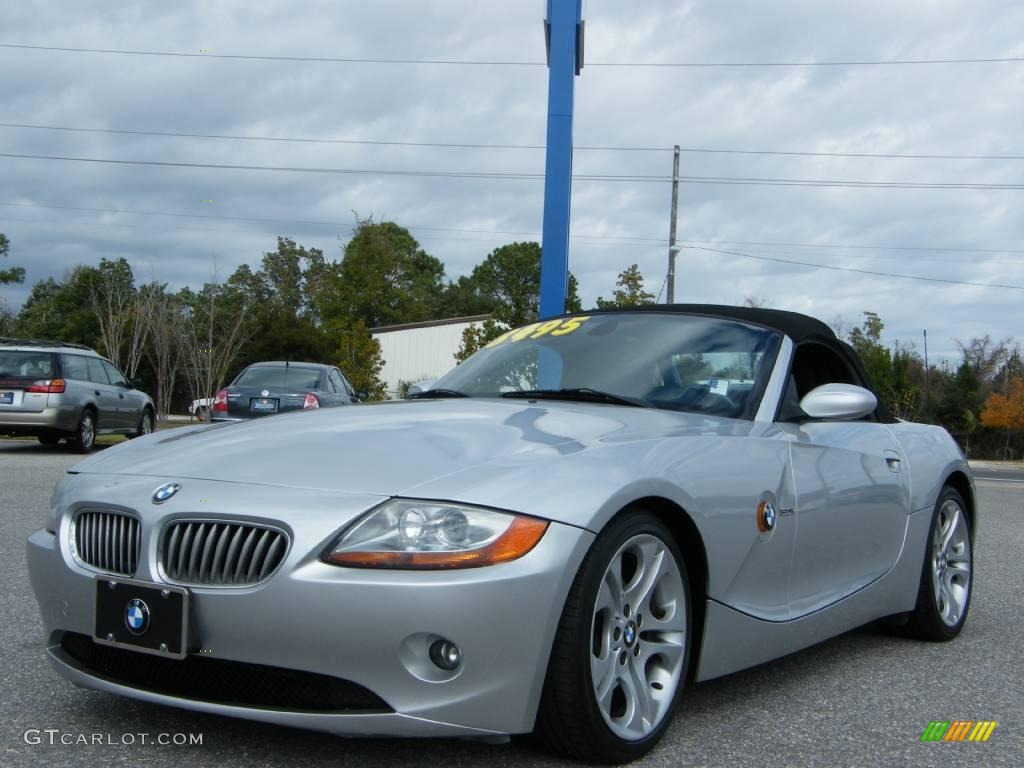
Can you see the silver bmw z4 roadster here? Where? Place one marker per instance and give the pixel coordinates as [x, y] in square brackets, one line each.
[555, 537]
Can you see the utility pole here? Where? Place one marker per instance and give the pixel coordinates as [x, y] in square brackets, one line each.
[670, 294]
[564, 33]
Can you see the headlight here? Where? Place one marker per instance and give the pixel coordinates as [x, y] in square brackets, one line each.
[57, 502]
[404, 533]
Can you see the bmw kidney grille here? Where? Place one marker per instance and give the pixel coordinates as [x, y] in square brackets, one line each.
[221, 553]
[107, 541]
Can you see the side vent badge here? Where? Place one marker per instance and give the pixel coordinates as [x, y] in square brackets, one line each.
[766, 517]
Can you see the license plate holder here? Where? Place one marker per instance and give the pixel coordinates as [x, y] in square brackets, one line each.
[6, 398]
[141, 616]
[266, 404]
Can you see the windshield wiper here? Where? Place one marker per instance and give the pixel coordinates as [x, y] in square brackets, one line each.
[433, 393]
[583, 394]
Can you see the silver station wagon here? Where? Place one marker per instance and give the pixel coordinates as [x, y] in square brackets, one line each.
[57, 391]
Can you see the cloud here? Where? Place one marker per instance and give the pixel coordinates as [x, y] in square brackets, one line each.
[941, 109]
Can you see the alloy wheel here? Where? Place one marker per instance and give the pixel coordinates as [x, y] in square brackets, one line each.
[638, 637]
[87, 431]
[951, 563]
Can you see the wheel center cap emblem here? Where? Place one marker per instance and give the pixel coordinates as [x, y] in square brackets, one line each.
[629, 634]
[164, 492]
[136, 616]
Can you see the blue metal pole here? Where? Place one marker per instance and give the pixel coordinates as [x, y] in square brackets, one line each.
[564, 19]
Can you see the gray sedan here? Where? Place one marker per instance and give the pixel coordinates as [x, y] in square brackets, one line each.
[568, 529]
[265, 389]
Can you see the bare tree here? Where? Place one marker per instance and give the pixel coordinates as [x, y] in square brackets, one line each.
[213, 336]
[110, 298]
[164, 347]
[985, 355]
[141, 312]
[841, 326]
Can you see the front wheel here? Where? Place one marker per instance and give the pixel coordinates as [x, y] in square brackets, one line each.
[944, 595]
[622, 648]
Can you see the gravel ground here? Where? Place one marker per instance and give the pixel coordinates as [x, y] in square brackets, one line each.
[861, 699]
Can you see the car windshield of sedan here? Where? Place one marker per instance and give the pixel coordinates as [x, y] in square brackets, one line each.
[672, 361]
[292, 376]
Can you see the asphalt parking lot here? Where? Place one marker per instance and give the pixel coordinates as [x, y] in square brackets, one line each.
[862, 699]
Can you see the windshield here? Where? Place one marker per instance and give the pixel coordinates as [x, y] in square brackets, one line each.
[672, 361]
[291, 377]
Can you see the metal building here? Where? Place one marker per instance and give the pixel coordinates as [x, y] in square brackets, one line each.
[416, 351]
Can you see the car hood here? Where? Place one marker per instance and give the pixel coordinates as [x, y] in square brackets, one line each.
[391, 448]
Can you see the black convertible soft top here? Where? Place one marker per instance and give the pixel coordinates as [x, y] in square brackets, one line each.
[798, 327]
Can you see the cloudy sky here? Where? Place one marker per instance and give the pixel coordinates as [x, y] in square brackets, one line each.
[58, 213]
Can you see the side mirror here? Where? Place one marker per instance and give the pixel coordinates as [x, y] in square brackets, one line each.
[838, 402]
[362, 395]
[135, 383]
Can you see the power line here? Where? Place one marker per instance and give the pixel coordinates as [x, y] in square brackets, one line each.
[870, 155]
[474, 145]
[853, 269]
[850, 184]
[763, 257]
[846, 63]
[512, 63]
[455, 145]
[505, 175]
[687, 247]
[857, 247]
[626, 239]
[307, 59]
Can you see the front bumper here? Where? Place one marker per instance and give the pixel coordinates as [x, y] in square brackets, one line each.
[355, 625]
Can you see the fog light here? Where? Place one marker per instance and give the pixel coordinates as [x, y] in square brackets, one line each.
[445, 654]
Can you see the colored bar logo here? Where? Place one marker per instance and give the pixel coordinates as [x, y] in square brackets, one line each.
[959, 730]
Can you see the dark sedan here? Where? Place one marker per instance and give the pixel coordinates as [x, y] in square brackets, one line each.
[263, 389]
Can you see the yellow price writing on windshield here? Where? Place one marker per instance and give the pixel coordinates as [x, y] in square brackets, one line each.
[560, 327]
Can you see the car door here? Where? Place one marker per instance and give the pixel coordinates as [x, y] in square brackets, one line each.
[127, 403]
[851, 489]
[104, 394]
[338, 385]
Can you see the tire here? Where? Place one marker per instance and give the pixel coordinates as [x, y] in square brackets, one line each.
[644, 675]
[85, 435]
[146, 423]
[48, 439]
[941, 611]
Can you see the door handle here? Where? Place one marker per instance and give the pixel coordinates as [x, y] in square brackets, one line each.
[121, 396]
[96, 392]
[893, 461]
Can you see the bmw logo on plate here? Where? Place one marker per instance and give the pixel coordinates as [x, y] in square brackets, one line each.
[265, 392]
[136, 616]
[164, 492]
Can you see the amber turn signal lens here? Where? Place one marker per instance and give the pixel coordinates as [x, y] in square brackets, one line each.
[522, 536]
